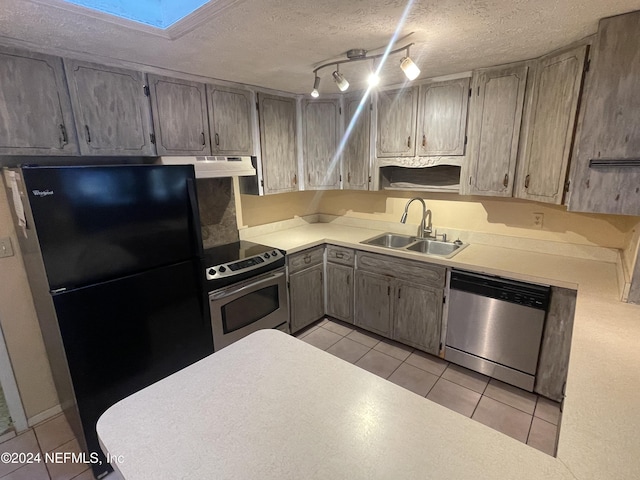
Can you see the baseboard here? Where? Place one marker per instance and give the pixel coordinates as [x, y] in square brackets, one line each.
[42, 416]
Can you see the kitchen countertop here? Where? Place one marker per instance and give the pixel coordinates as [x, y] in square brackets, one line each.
[347, 423]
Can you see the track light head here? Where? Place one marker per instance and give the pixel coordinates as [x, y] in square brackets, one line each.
[316, 84]
[342, 82]
[409, 68]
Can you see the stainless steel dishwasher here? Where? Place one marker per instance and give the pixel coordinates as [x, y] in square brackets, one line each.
[495, 326]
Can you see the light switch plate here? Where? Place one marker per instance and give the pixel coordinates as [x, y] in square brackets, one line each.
[6, 249]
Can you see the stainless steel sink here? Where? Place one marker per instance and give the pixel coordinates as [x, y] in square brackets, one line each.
[390, 240]
[435, 247]
[416, 244]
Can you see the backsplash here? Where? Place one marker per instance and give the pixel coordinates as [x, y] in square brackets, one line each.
[217, 211]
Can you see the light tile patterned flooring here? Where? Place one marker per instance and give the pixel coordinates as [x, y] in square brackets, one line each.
[52, 435]
[525, 416]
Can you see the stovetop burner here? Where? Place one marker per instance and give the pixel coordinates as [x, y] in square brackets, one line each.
[226, 264]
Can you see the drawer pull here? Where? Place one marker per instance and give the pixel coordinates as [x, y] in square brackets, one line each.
[339, 255]
[307, 259]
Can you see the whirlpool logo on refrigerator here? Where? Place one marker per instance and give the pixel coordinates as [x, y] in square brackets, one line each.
[42, 193]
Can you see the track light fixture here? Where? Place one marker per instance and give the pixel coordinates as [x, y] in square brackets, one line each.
[407, 65]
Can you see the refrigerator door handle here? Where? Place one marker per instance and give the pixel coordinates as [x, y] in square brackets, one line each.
[195, 215]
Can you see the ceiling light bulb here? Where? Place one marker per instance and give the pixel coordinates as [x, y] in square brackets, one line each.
[409, 68]
[373, 79]
[340, 81]
[315, 93]
[316, 84]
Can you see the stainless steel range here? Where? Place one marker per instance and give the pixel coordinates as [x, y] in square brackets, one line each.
[247, 290]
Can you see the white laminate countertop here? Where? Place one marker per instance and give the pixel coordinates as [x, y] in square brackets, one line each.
[273, 407]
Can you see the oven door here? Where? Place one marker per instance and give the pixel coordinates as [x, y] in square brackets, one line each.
[248, 306]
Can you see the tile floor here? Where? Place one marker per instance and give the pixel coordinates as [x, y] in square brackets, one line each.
[525, 416]
[52, 435]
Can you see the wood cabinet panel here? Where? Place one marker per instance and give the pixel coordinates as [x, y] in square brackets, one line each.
[442, 117]
[356, 153]
[230, 121]
[112, 112]
[610, 122]
[320, 120]
[418, 316]
[340, 292]
[342, 255]
[416, 272]
[278, 143]
[306, 292]
[556, 344]
[548, 130]
[180, 117]
[396, 118]
[305, 259]
[35, 109]
[496, 113]
[373, 302]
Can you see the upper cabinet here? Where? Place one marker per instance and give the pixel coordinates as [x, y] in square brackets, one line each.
[230, 120]
[320, 137]
[442, 117]
[277, 117]
[179, 116]
[607, 162]
[396, 119]
[497, 98]
[35, 110]
[548, 126]
[355, 155]
[112, 112]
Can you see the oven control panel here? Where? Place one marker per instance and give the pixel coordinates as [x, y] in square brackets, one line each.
[230, 269]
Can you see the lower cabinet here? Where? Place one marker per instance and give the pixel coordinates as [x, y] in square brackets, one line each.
[418, 316]
[306, 287]
[373, 302]
[339, 292]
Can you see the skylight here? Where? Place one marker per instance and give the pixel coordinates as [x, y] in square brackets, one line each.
[156, 13]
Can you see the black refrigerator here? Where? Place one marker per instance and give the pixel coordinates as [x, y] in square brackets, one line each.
[113, 255]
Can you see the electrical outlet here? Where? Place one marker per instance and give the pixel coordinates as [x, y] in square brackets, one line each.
[6, 250]
[538, 218]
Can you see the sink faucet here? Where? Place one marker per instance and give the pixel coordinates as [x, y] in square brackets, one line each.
[422, 230]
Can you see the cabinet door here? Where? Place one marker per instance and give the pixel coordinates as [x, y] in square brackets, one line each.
[340, 292]
[442, 117]
[418, 316]
[611, 122]
[320, 144]
[112, 112]
[278, 143]
[548, 130]
[396, 123]
[35, 110]
[355, 156]
[230, 121]
[496, 113]
[373, 303]
[307, 297]
[179, 116]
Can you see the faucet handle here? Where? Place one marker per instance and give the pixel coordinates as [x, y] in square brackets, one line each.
[443, 235]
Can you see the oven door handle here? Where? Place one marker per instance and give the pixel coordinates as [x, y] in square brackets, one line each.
[230, 291]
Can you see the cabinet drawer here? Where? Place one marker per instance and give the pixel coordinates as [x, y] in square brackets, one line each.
[305, 259]
[417, 272]
[344, 256]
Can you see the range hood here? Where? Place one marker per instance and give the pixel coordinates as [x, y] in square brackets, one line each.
[213, 166]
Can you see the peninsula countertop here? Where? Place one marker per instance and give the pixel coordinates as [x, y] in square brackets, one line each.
[287, 410]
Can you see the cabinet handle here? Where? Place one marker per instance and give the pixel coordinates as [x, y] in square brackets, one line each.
[526, 181]
[307, 259]
[349, 177]
[63, 132]
[409, 141]
[388, 290]
[424, 140]
[399, 290]
[505, 182]
[348, 279]
[339, 255]
[202, 138]
[217, 140]
[86, 129]
[309, 178]
[295, 178]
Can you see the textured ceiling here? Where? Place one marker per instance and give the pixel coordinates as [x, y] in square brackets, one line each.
[277, 43]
